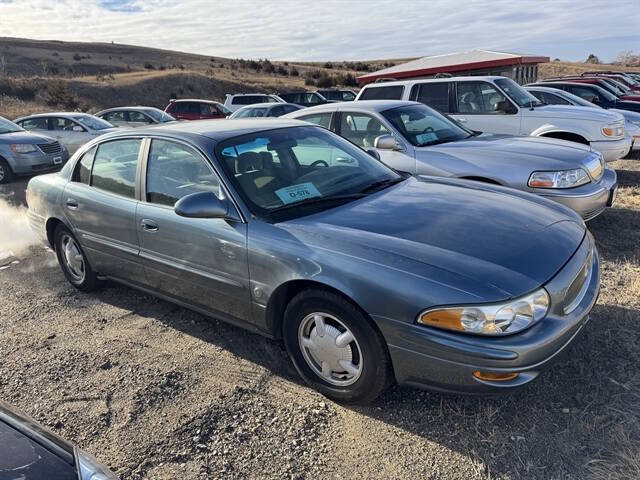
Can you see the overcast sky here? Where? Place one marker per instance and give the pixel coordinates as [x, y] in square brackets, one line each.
[336, 30]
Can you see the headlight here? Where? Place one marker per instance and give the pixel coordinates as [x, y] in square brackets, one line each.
[23, 148]
[613, 130]
[91, 469]
[559, 179]
[500, 319]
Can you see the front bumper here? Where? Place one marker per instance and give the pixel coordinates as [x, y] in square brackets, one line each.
[588, 200]
[612, 150]
[445, 361]
[37, 162]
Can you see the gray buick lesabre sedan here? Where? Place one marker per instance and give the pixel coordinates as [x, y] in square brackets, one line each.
[412, 137]
[291, 231]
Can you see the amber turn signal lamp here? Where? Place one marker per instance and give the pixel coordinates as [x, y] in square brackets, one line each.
[495, 377]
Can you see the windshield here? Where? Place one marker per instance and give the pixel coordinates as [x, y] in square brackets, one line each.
[517, 93]
[159, 116]
[7, 126]
[575, 99]
[94, 123]
[422, 126]
[300, 170]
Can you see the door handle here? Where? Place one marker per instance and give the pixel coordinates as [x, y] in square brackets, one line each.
[71, 204]
[149, 225]
[462, 120]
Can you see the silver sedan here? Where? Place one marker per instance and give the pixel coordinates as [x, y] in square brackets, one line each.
[414, 138]
[71, 129]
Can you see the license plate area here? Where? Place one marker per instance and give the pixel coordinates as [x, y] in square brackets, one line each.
[57, 160]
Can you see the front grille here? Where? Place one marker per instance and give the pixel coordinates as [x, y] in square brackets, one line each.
[50, 147]
[578, 288]
[595, 164]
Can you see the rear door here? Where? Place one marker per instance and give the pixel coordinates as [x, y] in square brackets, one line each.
[100, 203]
[433, 94]
[136, 119]
[199, 260]
[117, 118]
[480, 105]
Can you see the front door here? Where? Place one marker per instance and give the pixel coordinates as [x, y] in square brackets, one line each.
[198, 260]
[71, 134]
[481, 106]
[100, 203]
[363, 129]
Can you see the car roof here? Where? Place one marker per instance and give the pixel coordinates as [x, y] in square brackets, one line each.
[245, 94]
[429, 80]
[544, 89]
[201, 100]
[359, 106]
[139, 107]
[217, 130]
[54, 114]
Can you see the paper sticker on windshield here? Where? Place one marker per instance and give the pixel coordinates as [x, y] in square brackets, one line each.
[296, 193]
[426, 137]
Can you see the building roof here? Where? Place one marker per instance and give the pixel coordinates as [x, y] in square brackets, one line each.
[452, 62]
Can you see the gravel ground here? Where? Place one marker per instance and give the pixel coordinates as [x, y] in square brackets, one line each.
[157, 391]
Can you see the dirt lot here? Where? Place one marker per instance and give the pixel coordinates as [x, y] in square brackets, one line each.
[156, 391]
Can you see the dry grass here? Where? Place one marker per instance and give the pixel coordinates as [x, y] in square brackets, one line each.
[558, 69]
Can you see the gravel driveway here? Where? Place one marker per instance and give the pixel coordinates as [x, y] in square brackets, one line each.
[157, 391]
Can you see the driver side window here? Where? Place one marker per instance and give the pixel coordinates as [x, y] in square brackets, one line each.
[361, 129]
[175, 171]
[480, 98]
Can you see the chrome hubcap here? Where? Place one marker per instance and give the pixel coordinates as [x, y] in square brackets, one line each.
[73, 258]
[330, 349]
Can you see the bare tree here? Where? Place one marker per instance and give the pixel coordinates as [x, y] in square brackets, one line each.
[628, 59]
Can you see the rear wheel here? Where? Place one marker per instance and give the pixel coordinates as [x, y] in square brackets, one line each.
[336, 348]
[73, 261]
[6, 175]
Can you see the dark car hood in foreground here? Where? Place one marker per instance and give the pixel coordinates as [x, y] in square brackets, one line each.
[25, 137]
[507, 241]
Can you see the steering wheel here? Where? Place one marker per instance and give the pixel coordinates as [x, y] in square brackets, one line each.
[319, 163]
[428, 130]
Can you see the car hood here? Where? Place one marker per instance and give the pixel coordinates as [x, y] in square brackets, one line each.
[575, 111]
[498, 240]
[628, 115]
[628, 105]
[25, 137]
[530, 152]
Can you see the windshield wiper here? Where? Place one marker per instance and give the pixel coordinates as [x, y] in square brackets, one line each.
[380, 184]
[318, 201]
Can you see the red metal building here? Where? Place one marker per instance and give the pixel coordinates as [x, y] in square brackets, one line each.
[521, 67]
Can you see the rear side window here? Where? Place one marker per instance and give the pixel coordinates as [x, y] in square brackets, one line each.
[115, 165]
[114, 116]
[434, 95]
[82, 173]
[248, 99]
[392, 92]
[550, 98]
[174, 171]
[59, 123]
[322, 119]
[186, 107]
[34, 124]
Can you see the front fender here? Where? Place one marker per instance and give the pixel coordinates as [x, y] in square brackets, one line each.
[555, 128]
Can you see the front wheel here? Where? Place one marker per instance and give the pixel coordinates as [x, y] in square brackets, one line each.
[73, 261]
[335, 347]
[6, 175]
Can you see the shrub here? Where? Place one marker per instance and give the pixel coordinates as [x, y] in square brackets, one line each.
[309, 81]
[149, 66]
[77, 57]
[59, 94]
[348, 80]
[267, 66]
[282, 71]
[326, 81]
[20, 89]
[328, 65]
[294, 72]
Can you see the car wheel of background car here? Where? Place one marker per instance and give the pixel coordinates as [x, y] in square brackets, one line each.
[73, 261]
[6, 175]
[335, 347]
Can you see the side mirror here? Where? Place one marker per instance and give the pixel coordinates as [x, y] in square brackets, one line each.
[386, 142]
[201, 205]
[78, 128]
[374, 153]
[504, 107]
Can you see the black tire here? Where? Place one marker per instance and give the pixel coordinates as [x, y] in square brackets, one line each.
[6, 174]
[89, 280]
[376, 374]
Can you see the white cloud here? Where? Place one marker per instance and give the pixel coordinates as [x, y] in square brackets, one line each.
[330, 29]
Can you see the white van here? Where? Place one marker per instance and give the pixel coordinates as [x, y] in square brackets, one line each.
[499, 105]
